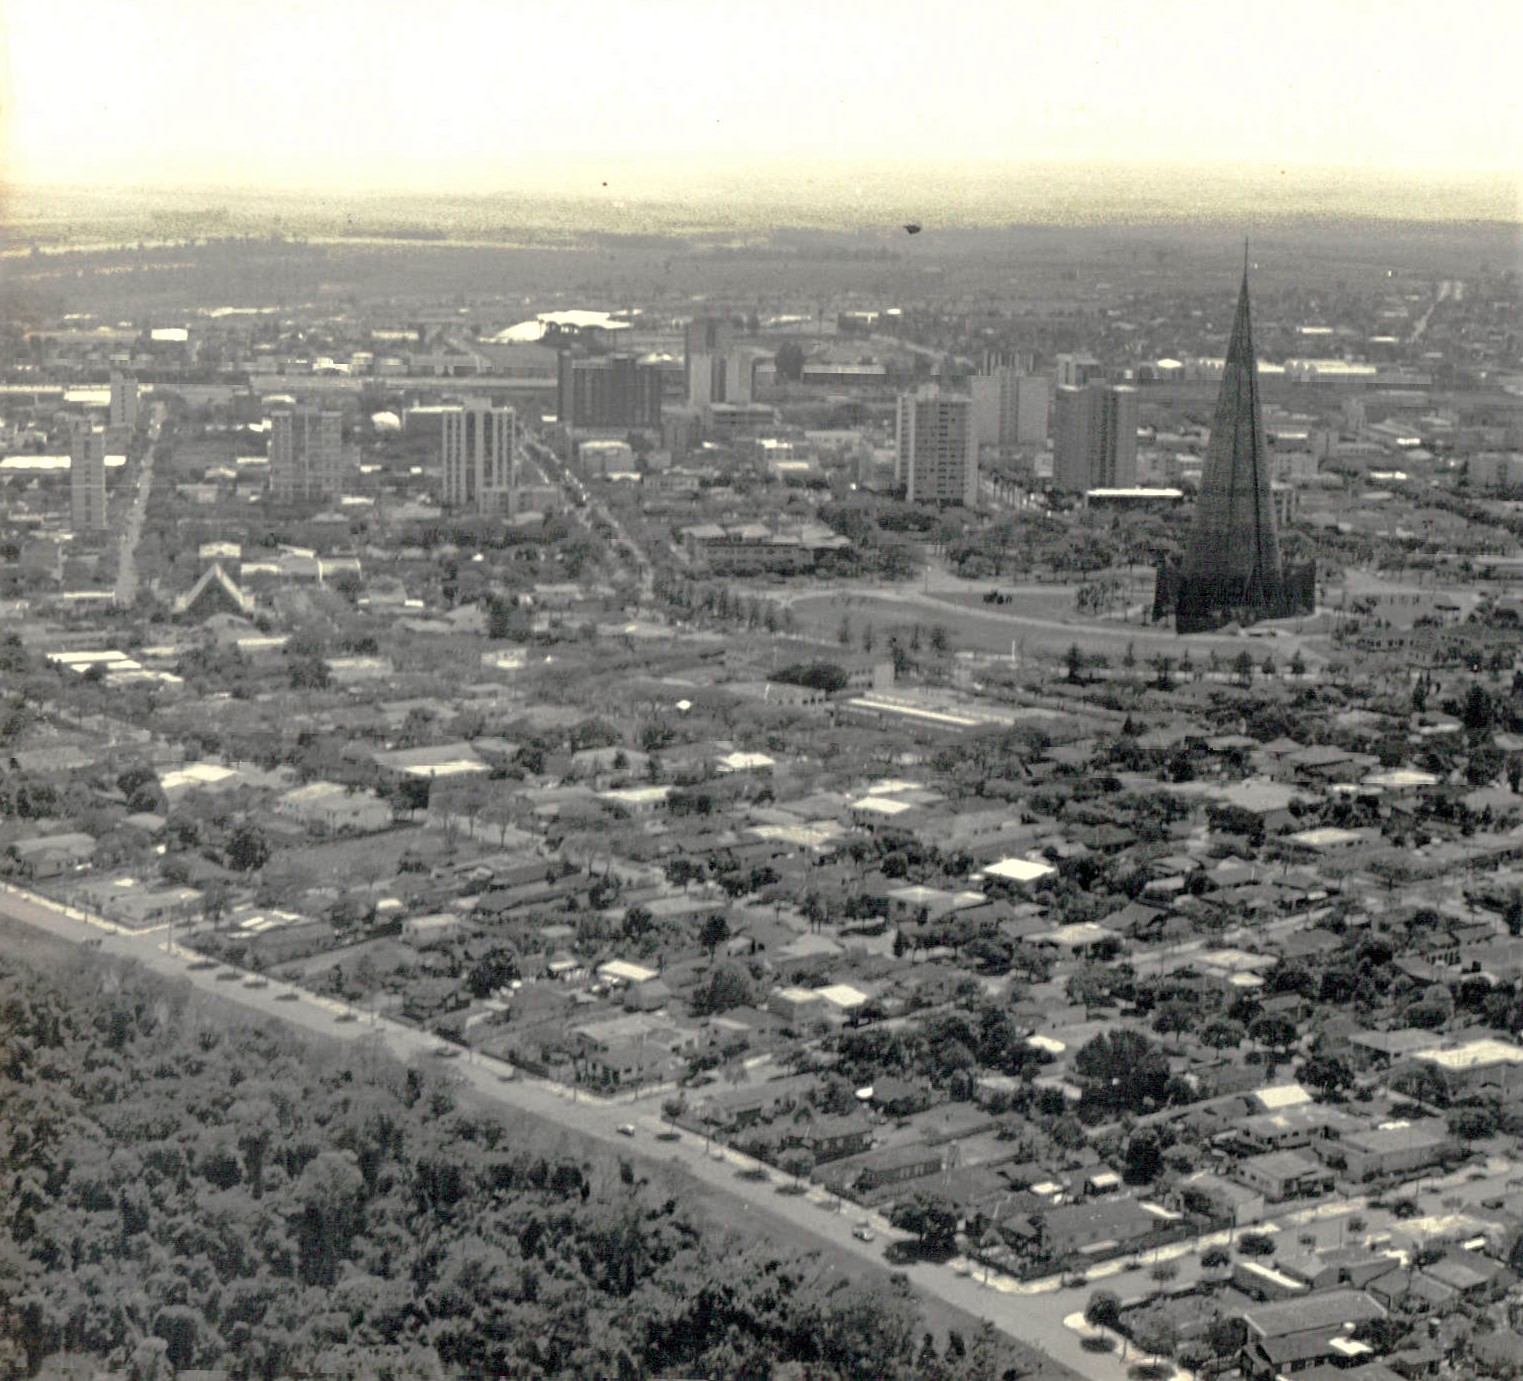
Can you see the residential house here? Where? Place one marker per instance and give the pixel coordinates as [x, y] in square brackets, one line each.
[1297, 1334]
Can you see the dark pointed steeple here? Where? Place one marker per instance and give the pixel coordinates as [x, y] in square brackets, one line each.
[1234, 551]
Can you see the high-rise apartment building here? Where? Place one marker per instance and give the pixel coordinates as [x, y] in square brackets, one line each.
[1095, 437]
[608, 391]
[1076, 371]
[707, 342]
[124, 403]
[87, 480]
[937, 456]
[479, 450]
[1010, 408]
[307, 457]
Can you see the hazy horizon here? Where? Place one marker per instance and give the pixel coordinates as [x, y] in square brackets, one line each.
[837, 196]
[1315, 107]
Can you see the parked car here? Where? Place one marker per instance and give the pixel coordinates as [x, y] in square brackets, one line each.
[863, 1233]
[627, 1129]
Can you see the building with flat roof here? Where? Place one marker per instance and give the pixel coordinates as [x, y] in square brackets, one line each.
[618, 392]
[123, 412]
[87, 480]
[479, 449]
[1095, 437]
[307, 457]
[1011, 408]
[937, 456]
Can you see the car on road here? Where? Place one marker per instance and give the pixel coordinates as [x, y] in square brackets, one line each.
[92, 943]
[668, 1135]
[447, 1052]
[346, 1016]
[290, 995]
[256, 980]
[1074, 1280]
[863, 1233]
[197, 965]
[626, 1129]
[226, 976]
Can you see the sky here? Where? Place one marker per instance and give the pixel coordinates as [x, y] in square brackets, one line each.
[492, 95]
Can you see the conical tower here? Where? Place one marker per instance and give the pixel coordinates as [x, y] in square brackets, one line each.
[1233, 557]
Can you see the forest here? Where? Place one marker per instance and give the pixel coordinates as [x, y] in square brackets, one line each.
[184, 1189]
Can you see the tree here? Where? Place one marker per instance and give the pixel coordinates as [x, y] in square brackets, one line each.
[309, 673]
[1275, 1031]
[798, 1163]
[726, 986]
[1073, 659]
[1103, 1309]
[716, 930]
[1144, 1157]
[1242, 668]
[1123, 1071]
[1478, 711]
[247, 848]
[1326, 1075]
[931, 1218]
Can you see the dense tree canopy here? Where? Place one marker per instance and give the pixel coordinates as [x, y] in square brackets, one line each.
[178, 1189]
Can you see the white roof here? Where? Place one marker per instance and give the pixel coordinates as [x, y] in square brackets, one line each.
[196, 774]
[796, 994]
[1475, 1054]
[1282, 1096]
[1019, 869]
[1398, 777]
[745, 762]
[880, 805]
[842, 995]
[625, 972]
[458, 767]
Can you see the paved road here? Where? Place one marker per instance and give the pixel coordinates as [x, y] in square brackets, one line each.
[1037, 1313]
[132, 531]
[1058, 634]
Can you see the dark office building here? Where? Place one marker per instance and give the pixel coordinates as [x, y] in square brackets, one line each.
[1231, 571]
[608, 391]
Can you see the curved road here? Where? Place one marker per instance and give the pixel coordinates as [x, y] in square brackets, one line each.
[1037, 1313]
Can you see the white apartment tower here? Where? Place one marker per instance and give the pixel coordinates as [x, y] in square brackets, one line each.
[307, 458]
[124, 403]
[480, 453]
[87, 480]
[937, 456]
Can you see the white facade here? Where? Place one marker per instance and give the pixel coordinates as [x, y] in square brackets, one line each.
[937, 457]
[479, 447]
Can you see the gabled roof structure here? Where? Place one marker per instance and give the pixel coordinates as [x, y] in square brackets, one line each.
[216, 592]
